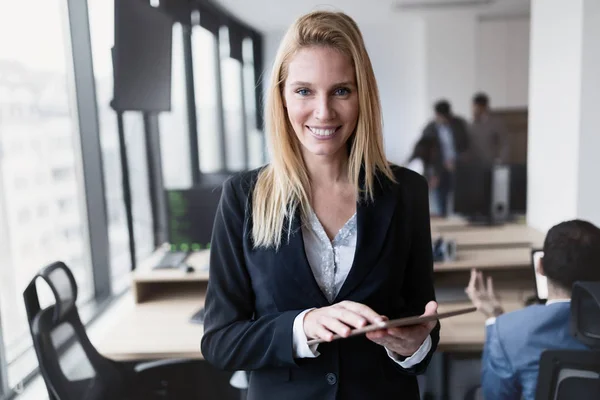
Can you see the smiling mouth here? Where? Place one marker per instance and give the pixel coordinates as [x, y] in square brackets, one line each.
[324, 132]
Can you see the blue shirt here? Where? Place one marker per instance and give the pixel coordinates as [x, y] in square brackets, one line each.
[446, 142]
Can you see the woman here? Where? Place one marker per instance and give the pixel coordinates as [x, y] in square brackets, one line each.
[326, 238]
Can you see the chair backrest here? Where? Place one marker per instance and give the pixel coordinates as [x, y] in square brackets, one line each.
[80, 373]
[569, 374]
[575, 374]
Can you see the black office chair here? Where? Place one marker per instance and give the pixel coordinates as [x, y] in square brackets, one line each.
[575, 374]
[95, 377]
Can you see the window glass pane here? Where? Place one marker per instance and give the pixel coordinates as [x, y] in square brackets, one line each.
[141, 205]
[174, 129]
[255, 137]
[101, 15]
[204, 44]
[42, 205]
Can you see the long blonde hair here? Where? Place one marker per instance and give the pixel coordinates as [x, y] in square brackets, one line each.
[284, 185]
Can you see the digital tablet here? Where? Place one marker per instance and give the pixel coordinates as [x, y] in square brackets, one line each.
[416, 320]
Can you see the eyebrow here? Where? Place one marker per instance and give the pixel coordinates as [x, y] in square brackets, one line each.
[300, 83]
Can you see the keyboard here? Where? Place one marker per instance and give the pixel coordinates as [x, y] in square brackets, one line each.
[171, 259]
[198, 317]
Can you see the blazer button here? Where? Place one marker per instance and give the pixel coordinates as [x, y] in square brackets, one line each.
[331, 378]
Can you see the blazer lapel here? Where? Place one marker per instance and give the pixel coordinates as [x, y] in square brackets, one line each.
[373, 221]
[297, 263]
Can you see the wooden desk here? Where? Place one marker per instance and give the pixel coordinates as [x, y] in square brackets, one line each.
[154, 319]
[160, 329]
[448, 224]
[487, 259]
[148, 282]
[157, 329]
[467, 332]
[509, 235]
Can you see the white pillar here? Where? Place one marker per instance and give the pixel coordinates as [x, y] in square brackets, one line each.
[564, 98]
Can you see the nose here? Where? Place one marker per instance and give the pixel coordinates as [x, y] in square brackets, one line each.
[323, 109]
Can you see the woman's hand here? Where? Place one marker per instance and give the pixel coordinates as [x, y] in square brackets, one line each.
[340, 318]
[405, 340]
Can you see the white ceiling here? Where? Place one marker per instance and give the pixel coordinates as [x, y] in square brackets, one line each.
[274, 15]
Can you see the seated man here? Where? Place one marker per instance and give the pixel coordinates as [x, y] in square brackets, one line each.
[516, 340]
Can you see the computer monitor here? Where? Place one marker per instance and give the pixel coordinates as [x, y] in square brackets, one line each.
[518, 189]
[473, 190]
[541, 282]
[191, 214]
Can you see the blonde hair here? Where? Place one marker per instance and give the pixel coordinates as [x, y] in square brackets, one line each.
[284, 185]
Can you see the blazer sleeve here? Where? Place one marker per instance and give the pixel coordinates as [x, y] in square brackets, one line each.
[417, 289]
[234, 338]
[498, 378]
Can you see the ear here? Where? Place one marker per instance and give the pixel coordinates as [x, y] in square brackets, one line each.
[539, 268]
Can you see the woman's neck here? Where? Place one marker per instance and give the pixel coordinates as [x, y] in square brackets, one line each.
[327, 170]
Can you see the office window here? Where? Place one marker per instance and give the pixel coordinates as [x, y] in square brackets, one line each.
[256, 146]
[174, 125]
[101, 17]
[36, 112]
[141, 205]
[204, 45]
[231, 73]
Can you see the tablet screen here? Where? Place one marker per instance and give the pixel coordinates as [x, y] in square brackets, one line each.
[541, 283]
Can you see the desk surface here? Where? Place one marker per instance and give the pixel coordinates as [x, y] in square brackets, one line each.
[161, 329]
[157, 329]
[487, 259]
[448, 224]
[509, 235]
[467, 332]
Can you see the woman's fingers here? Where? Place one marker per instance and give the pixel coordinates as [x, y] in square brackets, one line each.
[336, 326]
[348, 317]
[365, 311]
[322, 333]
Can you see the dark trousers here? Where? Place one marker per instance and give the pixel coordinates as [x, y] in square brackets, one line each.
[442, 192]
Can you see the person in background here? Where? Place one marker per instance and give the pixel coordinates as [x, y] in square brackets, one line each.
[421, 161]
[421, 157]
[449, 134]
[515, 340]
[489, 142]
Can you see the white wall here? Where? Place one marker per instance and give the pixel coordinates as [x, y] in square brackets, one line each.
[588, 203]
[564, 99]
[466, 55]
[451, 60]
[502, 69]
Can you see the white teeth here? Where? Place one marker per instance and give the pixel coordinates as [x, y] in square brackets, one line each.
[323, 132]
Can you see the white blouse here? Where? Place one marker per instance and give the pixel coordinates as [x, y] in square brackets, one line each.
[330, 262]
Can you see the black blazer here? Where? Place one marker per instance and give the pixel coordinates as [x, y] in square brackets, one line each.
[254, 295]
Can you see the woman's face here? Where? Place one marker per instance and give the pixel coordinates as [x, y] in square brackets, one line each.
[321, 99]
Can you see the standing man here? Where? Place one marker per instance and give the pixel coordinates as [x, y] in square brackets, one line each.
[488, 135]
[450, 139]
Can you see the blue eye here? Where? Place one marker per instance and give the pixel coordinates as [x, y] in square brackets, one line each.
[302, 92]
[342, 91]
